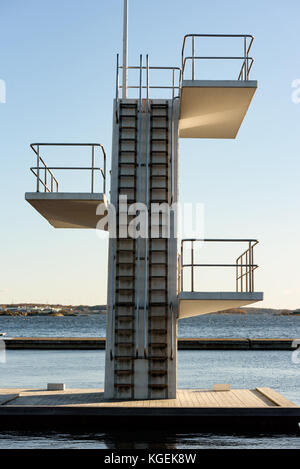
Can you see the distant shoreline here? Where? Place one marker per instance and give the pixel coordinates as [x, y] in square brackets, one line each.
[73, 311]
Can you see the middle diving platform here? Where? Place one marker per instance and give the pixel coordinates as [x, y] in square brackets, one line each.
[69, 209]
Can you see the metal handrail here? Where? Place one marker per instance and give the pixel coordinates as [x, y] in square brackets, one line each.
[147, 86]
[249, 267]
[244, 264]
[246, 66]
[48, 169]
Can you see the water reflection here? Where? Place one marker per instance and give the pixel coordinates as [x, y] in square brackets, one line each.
[146, 440]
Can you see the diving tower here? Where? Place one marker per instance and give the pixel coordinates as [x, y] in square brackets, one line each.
[152, 280]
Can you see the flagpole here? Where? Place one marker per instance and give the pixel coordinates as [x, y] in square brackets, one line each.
[125, 49]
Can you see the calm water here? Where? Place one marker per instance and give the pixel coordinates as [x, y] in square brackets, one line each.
[210, 325]
[196, 369]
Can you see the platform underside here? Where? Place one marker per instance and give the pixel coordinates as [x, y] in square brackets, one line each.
[197, 303]
[192, 408]
[69, 210]
[214, 109]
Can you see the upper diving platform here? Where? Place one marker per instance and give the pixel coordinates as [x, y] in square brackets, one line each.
[214, 108]
[209, 108]
[193, 302]
[64, 209]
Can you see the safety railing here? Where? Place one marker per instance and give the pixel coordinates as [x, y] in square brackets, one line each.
[45, 177]
[144, 86]
[244, 264]
[246, 60]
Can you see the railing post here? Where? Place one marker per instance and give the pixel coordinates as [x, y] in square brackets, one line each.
[247, 271]
[192, 267]
[242, 272]
[193, 60]
[117, 90]
[45, 179]
[147, 78]
[251, 265]
[181, 266]
[141, 82]
[38, 170]
[93, 165]
[173, 82]
[245, 61]
[104, 168]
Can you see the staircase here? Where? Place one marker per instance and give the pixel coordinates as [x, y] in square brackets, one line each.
[158, 254]
[140, 340]
[126, 255]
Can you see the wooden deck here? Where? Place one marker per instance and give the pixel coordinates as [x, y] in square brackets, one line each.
[186, 398]
[260, 409]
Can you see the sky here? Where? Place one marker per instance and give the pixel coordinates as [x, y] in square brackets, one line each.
[57, 61]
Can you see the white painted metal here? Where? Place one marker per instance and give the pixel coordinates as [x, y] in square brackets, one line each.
[125, 49]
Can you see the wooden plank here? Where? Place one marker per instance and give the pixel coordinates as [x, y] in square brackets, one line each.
[275, 397]
[250, 399]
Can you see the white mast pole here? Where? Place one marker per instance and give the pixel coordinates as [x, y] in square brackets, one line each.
[125, 49]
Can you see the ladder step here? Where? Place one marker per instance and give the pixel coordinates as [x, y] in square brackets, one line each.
[159, 105]
[157, 373]
[124, 357]
[157, 387]
[124, 372]
[123, 317]
[122, 139]
[125, 303]
[166, 117]
[124, 116]
[123, 387]
[158, 358]
[128, 127]
[157, 345]
[128, 105]
[127, 151]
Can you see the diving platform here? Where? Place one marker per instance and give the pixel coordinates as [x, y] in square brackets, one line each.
[194, 302]
[67, 209]
[214, 108]
[198, 303]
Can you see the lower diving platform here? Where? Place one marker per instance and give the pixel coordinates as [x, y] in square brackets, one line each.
[197, 303]
[192, 259]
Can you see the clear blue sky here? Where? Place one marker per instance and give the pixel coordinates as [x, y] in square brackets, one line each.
[58, 61]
